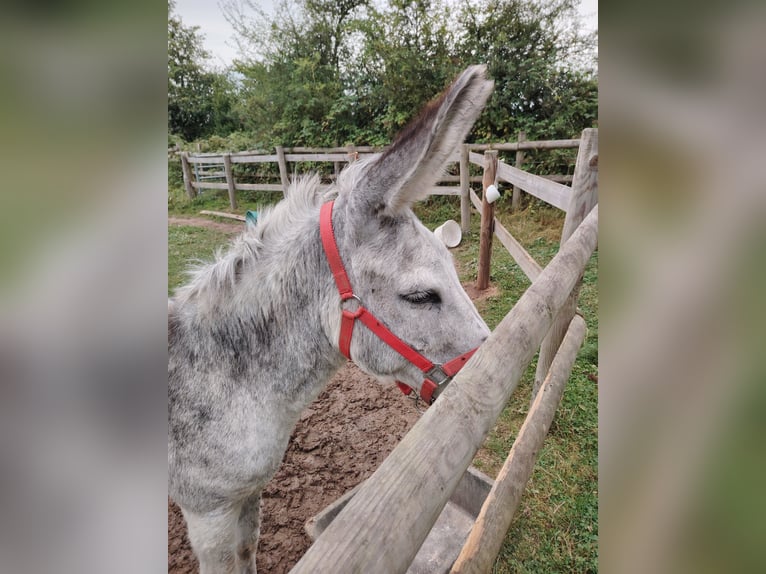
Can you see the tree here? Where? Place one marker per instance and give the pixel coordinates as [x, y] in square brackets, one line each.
[291, 67]
[320, 72]
[405, 61]
[200, 102]
[533, 51]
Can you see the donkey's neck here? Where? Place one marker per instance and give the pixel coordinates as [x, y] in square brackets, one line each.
[262, 313]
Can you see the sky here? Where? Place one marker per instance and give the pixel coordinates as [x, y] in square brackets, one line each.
[218, 34]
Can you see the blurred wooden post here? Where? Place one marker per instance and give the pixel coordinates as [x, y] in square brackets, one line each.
[283, 169]
[230, 180]
[465, 200]
[186, 169]
[584, 197]
[516, 199]
[487, 220]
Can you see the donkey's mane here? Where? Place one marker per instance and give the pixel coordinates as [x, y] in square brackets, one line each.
[272, 234]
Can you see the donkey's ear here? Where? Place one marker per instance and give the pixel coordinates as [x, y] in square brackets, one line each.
[406, 171]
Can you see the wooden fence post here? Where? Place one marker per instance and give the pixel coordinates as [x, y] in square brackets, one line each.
[186, 169]
[487, 220]
[336, 165]
[516, 199]
[230, 180]
[465, 184]
[353, 155]
[582, 200]
[283, 169]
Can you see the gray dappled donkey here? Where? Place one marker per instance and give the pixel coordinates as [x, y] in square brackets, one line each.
[253, 337]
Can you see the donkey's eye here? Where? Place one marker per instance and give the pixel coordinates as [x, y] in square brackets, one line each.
[422, 297]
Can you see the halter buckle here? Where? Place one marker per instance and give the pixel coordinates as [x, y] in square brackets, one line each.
[437, 375]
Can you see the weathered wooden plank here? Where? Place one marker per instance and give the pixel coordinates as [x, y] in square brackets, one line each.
[524, 260]
[337, 149]
[250, 158]
[549, 191]
[223, 214]
[476, 158]
[239, 186]
[529, 266]
[583, 197]
[487, 535]
[250, 152]
[475, 200]
[320, 157]
[209, 185]
[514, 146]
[259, 186]
[384, 525]
[558, 178]
[213, 159]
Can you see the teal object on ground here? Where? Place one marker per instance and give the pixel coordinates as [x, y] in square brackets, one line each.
[251, 216]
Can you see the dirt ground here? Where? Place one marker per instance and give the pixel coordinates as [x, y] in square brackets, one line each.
[225, 227]
[340, 440]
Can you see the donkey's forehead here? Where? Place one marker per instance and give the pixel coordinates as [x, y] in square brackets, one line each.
[407, 247]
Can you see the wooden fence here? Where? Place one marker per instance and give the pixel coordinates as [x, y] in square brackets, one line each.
[215, 170]
[383, 526]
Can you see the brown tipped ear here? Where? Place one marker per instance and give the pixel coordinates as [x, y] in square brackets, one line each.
[406, 171]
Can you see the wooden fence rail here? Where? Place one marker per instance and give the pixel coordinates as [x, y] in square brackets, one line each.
[200, 165]
[486, 537]
[386, 522]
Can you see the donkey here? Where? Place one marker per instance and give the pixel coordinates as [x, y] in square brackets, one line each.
[254, 336]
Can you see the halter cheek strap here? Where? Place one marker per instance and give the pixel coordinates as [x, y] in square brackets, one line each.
[436, 377]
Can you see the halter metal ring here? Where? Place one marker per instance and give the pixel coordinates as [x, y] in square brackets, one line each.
[351, 297]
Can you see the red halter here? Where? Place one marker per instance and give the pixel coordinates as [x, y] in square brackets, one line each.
[436, 376]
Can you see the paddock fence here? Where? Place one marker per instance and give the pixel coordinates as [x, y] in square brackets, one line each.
[382, 527]
[216, 170]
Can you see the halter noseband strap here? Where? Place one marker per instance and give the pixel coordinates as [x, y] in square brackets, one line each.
[436, 377]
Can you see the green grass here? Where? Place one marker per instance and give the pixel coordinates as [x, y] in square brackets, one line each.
[555, 528]
[218, 200]
[187, 244]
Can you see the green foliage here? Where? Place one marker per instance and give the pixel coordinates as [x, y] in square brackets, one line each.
[326, 73]
[200, 102]
[532, 53]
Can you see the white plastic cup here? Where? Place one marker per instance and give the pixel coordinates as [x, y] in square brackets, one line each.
[449, 233]
[492, 194]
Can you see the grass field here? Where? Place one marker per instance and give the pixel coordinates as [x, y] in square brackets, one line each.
[556, 526]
